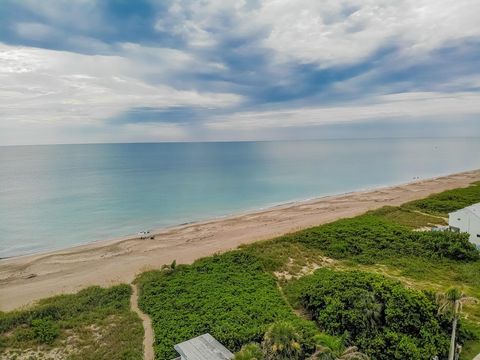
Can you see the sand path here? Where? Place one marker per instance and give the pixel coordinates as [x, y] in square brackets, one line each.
[148, 338]
[29, 278]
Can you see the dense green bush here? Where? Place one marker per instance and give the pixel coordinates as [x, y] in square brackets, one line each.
[250, 351]
[45, 331]
[333, 348]
[383, 318]
[228, 296]
[368, 238]
[282, 341]
[447, 201]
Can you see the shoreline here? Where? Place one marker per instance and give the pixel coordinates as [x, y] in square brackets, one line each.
[27, 278]
[160, 230]
[208, 219]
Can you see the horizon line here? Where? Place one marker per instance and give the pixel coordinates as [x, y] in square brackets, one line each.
[244, 141]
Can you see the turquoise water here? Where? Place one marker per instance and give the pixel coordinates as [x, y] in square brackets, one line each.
[60, 195]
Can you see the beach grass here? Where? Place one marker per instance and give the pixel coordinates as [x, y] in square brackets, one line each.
[447, 201]
[95, 323]
[414, 219]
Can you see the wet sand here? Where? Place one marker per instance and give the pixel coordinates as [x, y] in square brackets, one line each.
[26, 279]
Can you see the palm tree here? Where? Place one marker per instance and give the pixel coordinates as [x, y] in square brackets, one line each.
[170, 268]
[249, 352]
[333, 348]
[451, 303]
[372, 310]
[282, 342]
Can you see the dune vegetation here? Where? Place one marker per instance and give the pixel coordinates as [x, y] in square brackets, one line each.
[382, 317]
[95, 323]
[311, 279]
[229, 296]
[447, 201]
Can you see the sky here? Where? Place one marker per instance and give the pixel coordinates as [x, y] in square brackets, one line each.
[89, 71]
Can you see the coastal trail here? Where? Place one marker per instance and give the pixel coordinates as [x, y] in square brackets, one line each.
[148, 338]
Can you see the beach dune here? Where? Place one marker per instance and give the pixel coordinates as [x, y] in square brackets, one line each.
[26, 279]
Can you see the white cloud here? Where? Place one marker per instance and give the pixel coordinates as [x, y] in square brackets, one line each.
[165, 62]
[328, 32]
[38, 85]
[336, 32]
[203, 24]
[403, 105]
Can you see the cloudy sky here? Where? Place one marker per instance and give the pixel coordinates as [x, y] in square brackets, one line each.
[80, 71]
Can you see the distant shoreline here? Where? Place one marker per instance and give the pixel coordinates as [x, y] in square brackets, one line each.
[27, 278]
[207, 219]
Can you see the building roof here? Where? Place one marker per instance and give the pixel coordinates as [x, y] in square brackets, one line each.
[203, 347]
[474, 209]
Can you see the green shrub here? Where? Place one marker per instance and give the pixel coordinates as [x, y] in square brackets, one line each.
[45, 331]
[406, 217]
[84, 304]
[369, 238]
[333, 348]
[382, 317]
[24, 334]
[447, 201]
[250, 351]
[282, 341]
[47, 322]
[228, 296]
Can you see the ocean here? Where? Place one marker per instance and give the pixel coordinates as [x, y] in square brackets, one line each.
[56, 196]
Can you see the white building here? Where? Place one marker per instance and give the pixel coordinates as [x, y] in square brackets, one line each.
[467, 220]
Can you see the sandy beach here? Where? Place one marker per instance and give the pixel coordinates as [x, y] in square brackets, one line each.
[26, 279]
